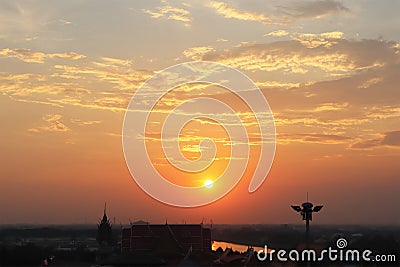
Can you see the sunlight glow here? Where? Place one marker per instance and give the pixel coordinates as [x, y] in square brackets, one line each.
[208, 183]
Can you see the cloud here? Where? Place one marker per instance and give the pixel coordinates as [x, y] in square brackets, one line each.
[117, 61]
[312, 9]
[109, 83]
[281, 120]
[330, 107]
[282, 15]
[28, 55]
[382, 112]
[196, 53]
[370, 82]
[222, 40]
[108, 70]
[321, 56]
[84, 123]
[170, 13]
[288, 57]
[295, 110]
[313, 138]
[24, 85]
[64, 22]
[36, 102]
[54, 124]
[277, 33]
[311, 40]
[391, 139]
[117, 106]
[340, 116]
[276, 84]
[232, 13]
[103, 83]
[352, 110]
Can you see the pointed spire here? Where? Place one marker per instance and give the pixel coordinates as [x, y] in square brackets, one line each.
[105, 219]
[104, 229]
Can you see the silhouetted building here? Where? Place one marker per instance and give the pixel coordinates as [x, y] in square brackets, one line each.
[166, 239]
[104, 231]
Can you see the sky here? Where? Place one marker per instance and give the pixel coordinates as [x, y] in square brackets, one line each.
[328, 69]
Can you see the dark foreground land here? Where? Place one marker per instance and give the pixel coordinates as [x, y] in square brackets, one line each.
[288, 236]
[76, 245]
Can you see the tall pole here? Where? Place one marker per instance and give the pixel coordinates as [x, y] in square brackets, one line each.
[306, 210]
[307, 226]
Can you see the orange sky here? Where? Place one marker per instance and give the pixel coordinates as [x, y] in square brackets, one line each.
[329, 70]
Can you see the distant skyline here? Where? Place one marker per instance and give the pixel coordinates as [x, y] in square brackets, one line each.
[329, 70]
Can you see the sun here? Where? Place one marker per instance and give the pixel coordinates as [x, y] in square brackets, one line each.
[208, 183]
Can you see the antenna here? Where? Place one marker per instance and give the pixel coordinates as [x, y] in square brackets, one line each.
[307, 196]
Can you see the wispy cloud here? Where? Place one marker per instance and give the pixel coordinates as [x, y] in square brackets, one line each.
[283, 14]
[289, 57]
[277, 33]
[390, 139]
[311, 40]
[233, 13]
[276, 84]
[196, 53]
[311, 9]
[84, 122]
[103, 83]
[107, 62]
[313, 138]
[370, 82]
[170, 13]
[222, 40]
[330, 56]
[54, 124]
[28, 55]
